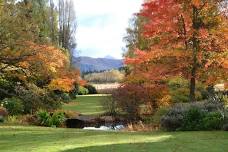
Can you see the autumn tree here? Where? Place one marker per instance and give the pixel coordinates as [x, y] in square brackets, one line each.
[31, 60]
[25, 32]
[65, 82]
[15, 29]
[189, 41]
[46, 63]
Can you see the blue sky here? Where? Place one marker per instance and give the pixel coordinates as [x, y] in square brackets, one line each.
[102, 24]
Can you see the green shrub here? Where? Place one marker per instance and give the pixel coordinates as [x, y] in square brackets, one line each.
[6, 85]
[65, 97]
[57, 119]
[213, 121]
[49, 120]
[83, 91]
[35, 98]
[43, 118]
[13, 105]
[194, 116]
[91, 89]
[193, 119]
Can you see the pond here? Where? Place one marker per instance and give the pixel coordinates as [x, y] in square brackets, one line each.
[106, 128]
[93, 123]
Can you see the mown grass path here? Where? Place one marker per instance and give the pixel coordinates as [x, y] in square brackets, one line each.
[86, 105]
[36, 139]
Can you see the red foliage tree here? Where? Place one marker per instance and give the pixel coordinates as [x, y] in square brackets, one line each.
[189, 39]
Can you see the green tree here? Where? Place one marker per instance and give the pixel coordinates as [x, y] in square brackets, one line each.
[134, 37]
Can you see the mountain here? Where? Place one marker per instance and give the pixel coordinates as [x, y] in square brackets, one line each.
[88, 64]
[109, 57]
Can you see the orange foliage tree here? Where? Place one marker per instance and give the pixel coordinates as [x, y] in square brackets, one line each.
[188, 39]
[66, 81]
[43, 65]
[52, 64]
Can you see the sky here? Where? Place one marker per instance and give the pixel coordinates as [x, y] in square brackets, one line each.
[102, 25]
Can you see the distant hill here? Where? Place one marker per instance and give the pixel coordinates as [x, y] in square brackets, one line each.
[109, 57]
[88, 64]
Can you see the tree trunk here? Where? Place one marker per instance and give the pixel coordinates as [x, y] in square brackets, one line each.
[52, 18]
[193, 83]
[195, 43]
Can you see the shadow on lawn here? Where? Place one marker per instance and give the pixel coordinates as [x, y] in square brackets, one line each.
[178, 142]
[161, 146]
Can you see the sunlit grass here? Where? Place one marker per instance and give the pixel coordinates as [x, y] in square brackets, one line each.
[36, 139]
[88, 105]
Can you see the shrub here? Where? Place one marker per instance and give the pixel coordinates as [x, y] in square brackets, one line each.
[43, 118]
[3, 113]
[65, 97]
[49, 120]
[213, 121]
[83, 91]
[194, 116]
[173, 118]
[35, 98]
[128, 99]
[193, 119]
[6, 85]
[110, 106]
[13, 105]
[135, 99]
[57, 119]
[91, 89]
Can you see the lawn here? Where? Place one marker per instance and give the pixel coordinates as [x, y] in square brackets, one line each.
[88, 105]
[35, 139]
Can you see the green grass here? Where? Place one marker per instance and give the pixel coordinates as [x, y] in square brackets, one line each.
[35, 139]
[88, 105]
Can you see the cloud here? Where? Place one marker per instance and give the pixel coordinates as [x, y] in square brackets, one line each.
[102, 24]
